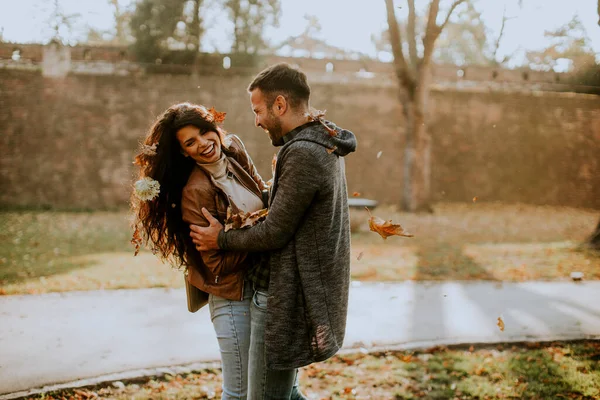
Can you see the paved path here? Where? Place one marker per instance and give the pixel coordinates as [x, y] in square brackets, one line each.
[54, 338]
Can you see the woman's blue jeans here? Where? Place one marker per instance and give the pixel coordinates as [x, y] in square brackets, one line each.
[231, 320]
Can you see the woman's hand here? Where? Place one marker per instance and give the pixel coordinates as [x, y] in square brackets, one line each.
[206, 238]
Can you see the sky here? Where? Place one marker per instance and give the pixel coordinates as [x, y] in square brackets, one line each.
[348, 24]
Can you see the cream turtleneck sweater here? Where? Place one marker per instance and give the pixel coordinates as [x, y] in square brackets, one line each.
[243, 198]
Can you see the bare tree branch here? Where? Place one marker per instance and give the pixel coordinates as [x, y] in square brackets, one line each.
[432, 31]
[452, 7]
[400, 65]
[497, 45]
[412, 34]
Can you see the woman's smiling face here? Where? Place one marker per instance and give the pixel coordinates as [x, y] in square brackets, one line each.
[203, 148]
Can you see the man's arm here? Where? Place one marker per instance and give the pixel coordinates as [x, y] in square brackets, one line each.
[299, 181]
[219, 262]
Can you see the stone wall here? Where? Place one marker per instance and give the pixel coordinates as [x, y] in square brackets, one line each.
[69, 143]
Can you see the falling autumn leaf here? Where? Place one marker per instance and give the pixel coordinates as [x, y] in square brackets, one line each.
[386, 228]
[360, 255]
[500, 324]
[136, 240]
[474, 199]
[331, 150]
[355, 194]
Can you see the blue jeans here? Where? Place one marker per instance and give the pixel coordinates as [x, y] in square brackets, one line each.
[263, 383]
[231, 320]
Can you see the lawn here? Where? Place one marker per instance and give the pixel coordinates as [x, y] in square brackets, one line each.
[524, 371]
[60, 251]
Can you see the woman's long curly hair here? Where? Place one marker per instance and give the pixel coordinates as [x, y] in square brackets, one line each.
[158, 222]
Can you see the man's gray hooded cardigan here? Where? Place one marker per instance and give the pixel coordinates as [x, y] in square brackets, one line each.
[307, 237]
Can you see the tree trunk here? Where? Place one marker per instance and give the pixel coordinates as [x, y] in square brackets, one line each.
[417, 151]
[593, 241]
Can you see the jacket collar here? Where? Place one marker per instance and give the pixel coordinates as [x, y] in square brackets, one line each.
[292, 134]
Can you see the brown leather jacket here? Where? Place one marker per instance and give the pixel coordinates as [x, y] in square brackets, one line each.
[216, 271]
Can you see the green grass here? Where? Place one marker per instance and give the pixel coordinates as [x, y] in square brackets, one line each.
[525, 371]
[45, 251]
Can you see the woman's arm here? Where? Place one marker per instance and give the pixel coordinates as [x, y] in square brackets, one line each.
[219, 262]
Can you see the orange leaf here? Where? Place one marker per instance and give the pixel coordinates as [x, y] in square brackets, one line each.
[355, 194]
[237, 219]
[136, 240]
[386, 228]
[500, 324]
[218, 117]
[274, 163]
[474, 199]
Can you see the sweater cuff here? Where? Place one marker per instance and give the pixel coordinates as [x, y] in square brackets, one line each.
[222, 240]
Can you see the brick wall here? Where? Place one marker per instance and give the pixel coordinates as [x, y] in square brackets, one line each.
[69, 142]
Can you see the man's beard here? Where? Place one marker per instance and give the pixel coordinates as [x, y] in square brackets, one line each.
[275, 130]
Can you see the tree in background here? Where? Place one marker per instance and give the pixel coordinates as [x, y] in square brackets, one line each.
[593, 241]
[121, 34]
[465, 40]
[61, 23]
[156, 24]
[249, 18]
[569, 43]
[412, 66]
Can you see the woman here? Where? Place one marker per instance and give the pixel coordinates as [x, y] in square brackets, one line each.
[197, 164]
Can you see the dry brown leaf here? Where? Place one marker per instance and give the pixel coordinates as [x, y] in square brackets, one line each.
[331, 150]
[386, 228]
[317, 115]
[273, 163]
[474, 199]
[355, 194]
[218, 117]
[360, 255]
[136, 240]
[240, 220]
[500, 324]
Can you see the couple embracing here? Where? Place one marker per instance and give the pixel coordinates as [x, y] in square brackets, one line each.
[277, 290]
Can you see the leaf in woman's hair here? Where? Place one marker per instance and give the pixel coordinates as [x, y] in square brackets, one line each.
[386, 228]
[136, 240]
[218, 116]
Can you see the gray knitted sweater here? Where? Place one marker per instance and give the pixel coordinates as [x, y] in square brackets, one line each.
[307, 235]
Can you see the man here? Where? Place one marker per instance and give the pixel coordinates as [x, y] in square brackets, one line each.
[306, 237]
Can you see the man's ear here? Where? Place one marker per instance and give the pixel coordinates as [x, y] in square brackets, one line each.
[280, 105]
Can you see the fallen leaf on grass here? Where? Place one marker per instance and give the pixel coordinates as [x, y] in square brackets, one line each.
[500, 324]
[386, 228]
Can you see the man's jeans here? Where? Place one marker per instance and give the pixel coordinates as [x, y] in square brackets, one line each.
[231, 320]
[264, 384]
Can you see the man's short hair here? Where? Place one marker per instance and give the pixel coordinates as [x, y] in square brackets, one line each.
[282, 79]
